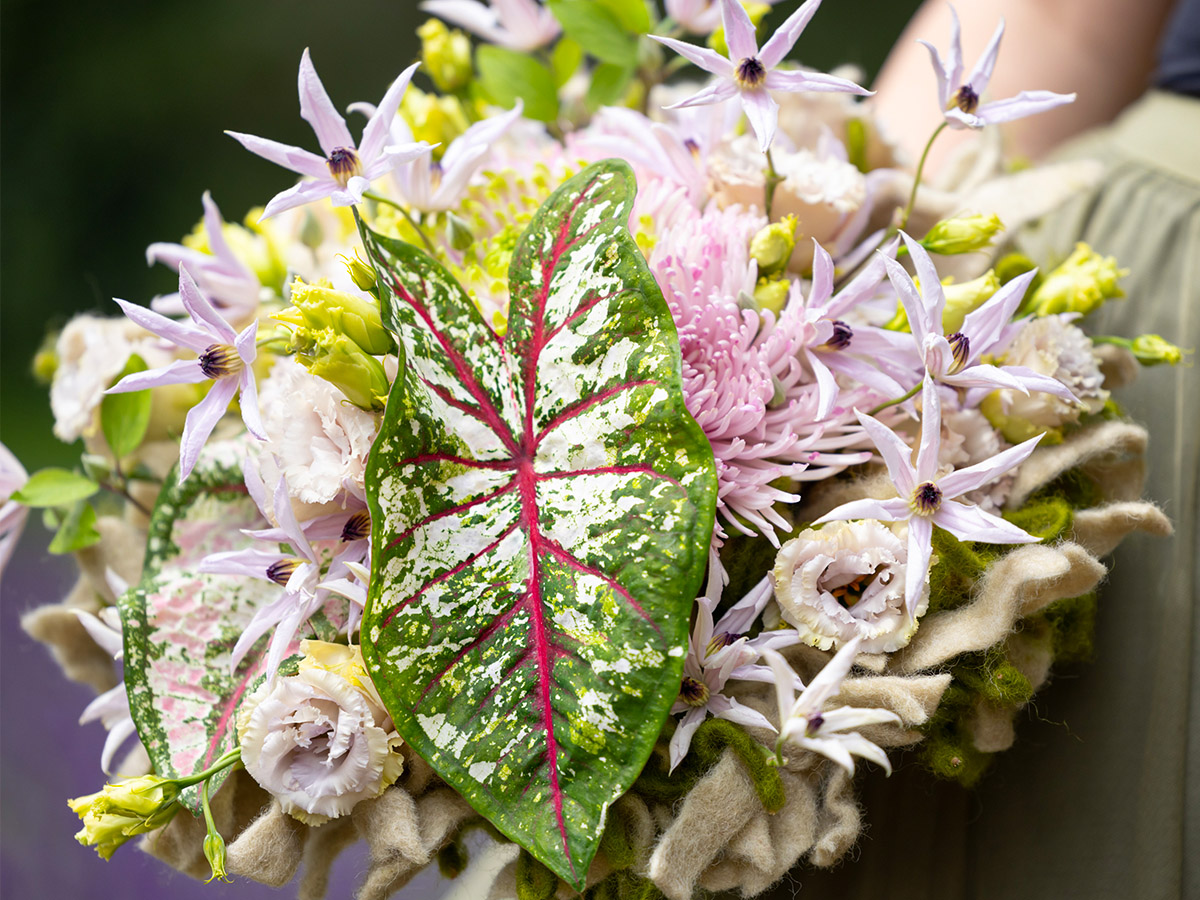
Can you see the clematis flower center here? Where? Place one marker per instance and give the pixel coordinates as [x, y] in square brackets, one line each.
[220, 361]
[842, 335]
[343, 164]
[926, 499]
[357, 527]
[815, 721]
[282, 570]
[966, 99]
[692, 692]
[751, 73]
[719, 642]
[960, 346]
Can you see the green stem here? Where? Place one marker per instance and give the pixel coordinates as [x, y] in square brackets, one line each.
[379, 198]
[773, 179]
[225, 761]
[882, 406]
[912, 197]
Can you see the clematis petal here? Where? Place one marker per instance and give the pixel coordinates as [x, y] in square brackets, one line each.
[213, 228]
[831, 748]
[985, 325]
[249, 562]
[785, 37]
[941, 72]
[914, 307]
[248, 401]
[375, 134]
[933, 298]
[1026, 103]
[294, 158]
[108, 639]
[744, 715]
[200, 422]
[717, 92]
[1035, 381]
[739, 32]
[318, 110]
[885, 510]
[763, 114]
[845, 718]
[182, 371]
[857, 745]
[708, 60]
[681, 740]
[963, 481]
[120, 732]
[916, 567]
[986, 376]
[813, 82]
[304, 192]
[785, 695]
[931, 431]
[982, 73]
[970, 523]
[182, 334]
[201, 310]
[896, 454]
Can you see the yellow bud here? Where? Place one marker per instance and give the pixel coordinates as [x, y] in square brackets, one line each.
[458, 234]
[772, 294]
[316, 308]
[122, 811]
[438, 120]
[342, 363]
[962, 234]
[214, 852]
[1081, 284]
[772, 247]
[1152, 350]
[965, 298]
[446, 55]
[361, 274]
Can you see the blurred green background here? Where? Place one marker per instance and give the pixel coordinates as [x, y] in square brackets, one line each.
[112, 126]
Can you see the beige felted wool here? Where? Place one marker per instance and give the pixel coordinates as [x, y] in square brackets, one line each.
[840, 821]
[1111, 452]
[322, 846]
[181, 843]
[913, 698]
[121, 549]
[269, 850]
[56, 625]
[1101, 528]
[991, 727]
[1117, 364]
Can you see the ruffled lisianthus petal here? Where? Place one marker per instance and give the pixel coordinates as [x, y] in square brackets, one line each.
[318, 744]
[846, 580]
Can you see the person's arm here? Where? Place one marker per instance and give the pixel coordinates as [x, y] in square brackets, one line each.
[1103, 50]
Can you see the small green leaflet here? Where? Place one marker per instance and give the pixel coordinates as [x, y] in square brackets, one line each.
[180, 625]
[125, 417]
[541, 508]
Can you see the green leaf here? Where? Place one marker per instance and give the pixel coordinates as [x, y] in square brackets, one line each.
[608, 85]
[634, 15]
[541, 506]
[181, 625]
[597, 30]
[78, 530]
[55, 487]
[124, 417]
[507, 76]
[565, 59]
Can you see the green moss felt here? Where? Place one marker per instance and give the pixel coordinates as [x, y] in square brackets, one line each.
[623, 886]
[1072, 624]
[708, 744]
[534, 880]
[452, 858]
[994, 678]
[615, 844]
[1045, 518]
[959, 565]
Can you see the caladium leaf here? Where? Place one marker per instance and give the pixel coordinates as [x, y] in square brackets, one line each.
[180, 625]
[541, 509]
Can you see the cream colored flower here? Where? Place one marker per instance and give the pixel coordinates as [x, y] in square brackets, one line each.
[320, 741]
[846, 581]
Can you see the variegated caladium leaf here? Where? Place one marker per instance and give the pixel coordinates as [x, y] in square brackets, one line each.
[180, 625]
[541, 510]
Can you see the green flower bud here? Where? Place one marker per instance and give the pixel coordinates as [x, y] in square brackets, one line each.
[122, 811]
[446, 55]
[962, 234]
[342, 363]
[772, 294]
[214, 852]
[458, 235]
[965, 298]
[772, 247]
[437, 120]
[1081, 284]
[361, 274]
[316, 308]
[1152, 350]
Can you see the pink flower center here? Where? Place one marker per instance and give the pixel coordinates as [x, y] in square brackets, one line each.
[220, 361]
[343, 164]
[751, 73]
[926, 499]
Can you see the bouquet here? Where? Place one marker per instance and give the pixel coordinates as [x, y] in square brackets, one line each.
[602, 462]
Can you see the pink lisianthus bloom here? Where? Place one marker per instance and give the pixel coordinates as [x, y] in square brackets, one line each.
[225, 357]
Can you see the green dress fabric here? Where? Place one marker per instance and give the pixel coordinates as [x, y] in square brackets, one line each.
[1100, 796]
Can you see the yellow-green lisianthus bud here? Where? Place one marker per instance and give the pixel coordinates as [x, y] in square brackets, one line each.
[756, 11]
[361, 274]
[122, 811]
[962, 234]
[772, 247]
[446, 55]
[432, 118]
[342, 362]
[1081, 284]
[1152, 350]
[458, 235]
[315, 308]
[965, 298]
[772, 294]
[214, 852]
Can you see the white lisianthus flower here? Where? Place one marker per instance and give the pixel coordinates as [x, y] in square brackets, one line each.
[320, 741]
[846, 581]
[319, 439]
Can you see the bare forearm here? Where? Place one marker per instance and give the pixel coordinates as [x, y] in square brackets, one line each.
[1101, 49]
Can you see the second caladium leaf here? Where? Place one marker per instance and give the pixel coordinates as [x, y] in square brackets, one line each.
[541, 507]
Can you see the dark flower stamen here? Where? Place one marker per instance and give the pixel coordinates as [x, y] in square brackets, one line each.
[220, 360]
[720, 642]
[692, 692]
[842, 335]
[960, 345]
[815, 721]
[966, 99]
[751, 73]
[279, 572]
[357, 527]
[343, 164]
[926, 499]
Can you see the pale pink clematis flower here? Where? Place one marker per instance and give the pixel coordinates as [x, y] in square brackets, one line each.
[805, 723]
[517, 24]
[750, 73]
[698, 16]
[960, 99]
[231, 286]
[954, 359]
[12, 514]
[346, 170]
[926, 500]
[225, 357]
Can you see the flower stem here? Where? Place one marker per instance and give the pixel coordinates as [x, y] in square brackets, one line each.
[912, 197]
[882, 406]
[225, 761]
[379, 198]
[772, 182]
